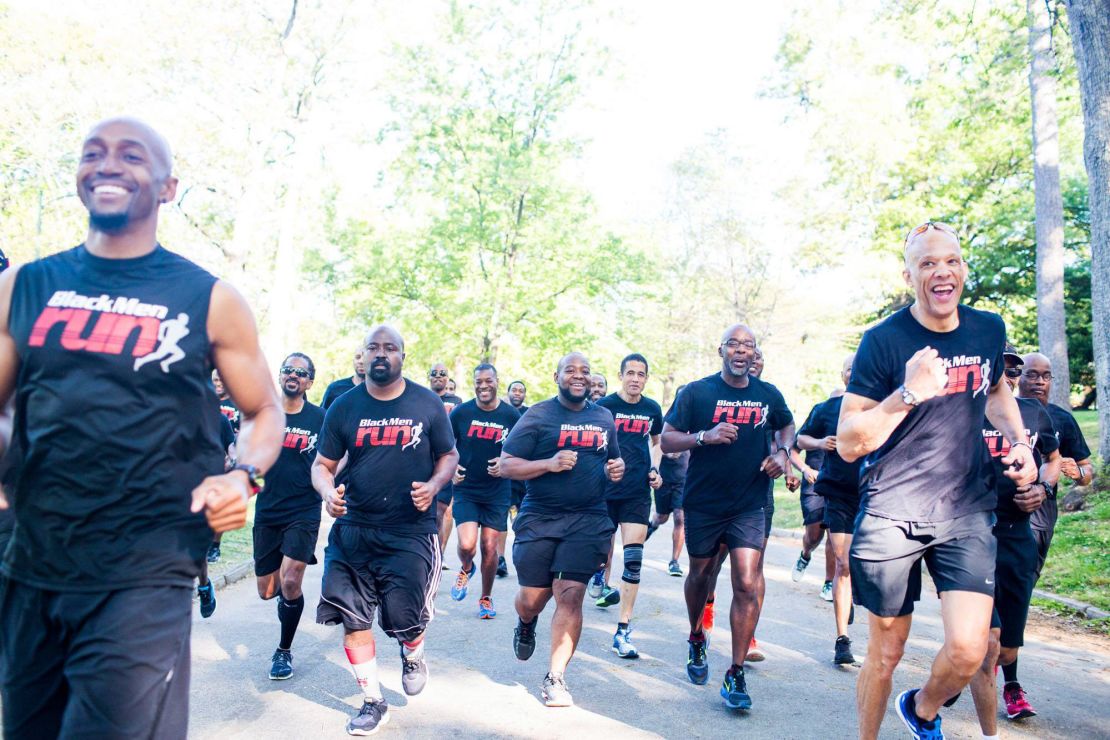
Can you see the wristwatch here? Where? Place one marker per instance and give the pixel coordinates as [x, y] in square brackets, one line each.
[254, 477]
[701, 438]
[908, 397]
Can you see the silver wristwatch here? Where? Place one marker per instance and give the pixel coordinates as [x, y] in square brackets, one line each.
[700, 438]
[908, 397]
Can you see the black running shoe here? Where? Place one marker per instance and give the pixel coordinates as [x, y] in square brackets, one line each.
[652, 526]
[281, 665]
[697, 664]
[843, 651]
[502, 567]
[524, 639]
[213, 554]
[207, 595]
[734, 690]
[370, 718]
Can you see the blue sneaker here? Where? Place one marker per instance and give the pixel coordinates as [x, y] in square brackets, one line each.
[918, 727]
[622, 643]
[207, 596]
[597, 585]
[462, 580]
[485, 608]
[609, 597]
[697, 665]
[734, 691]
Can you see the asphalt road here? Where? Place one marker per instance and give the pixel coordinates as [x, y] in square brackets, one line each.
[479, 689]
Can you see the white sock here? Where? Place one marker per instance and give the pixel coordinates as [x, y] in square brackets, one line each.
[990, 737]
[366, 673]
[416, 652]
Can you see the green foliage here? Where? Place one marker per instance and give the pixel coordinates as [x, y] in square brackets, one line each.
[1078, 564]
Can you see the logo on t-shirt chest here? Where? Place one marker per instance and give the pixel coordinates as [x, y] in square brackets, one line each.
[582, 435]
[966, 373]
[231, 413]
[999, 446]
[299, 439]
[490, 431]
[392, 432]
[741, 413]
[632, 423]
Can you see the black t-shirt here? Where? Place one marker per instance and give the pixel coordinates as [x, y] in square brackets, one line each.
[929, 469]
[837, 478]
[450, 401]
[636, 424]
[289, 495]
[1073, 445]
[672, 469]
[549, 427]
[478, 436]
[725, 480]
[231, 411]
[335, 389]
[390, 444]
[227, 433]
[812, 458]
[1042, 438]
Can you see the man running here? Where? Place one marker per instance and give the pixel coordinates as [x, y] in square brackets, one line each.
[231, 412]
[115, 474]
[838, 486]
[206, 590]
[638, 421]
[722, 419]
[565, 448]
[437, 381]
[382, 553]
[287, 515]
[813, 510]
[516, 395]
[337, 388]
[921, 382]
[668, 500]
[598, 386]
[481, 502]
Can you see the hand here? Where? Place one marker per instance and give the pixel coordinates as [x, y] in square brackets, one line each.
[494, 468]
[722, 434]
[423, 493]
[925, 374]
[655, 480]
[829, 443]
[793, 483]
[335, 503]
[810, 475]
[615, 469]
[562, 461]
[460, 475]
[773, 467]
[3, 500]
[1020, 467]
[1029, 498]
[1070, 468]
[223, 498]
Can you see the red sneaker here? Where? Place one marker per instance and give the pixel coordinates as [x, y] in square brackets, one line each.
[707, 618]
[1016, 705]
[755, 655]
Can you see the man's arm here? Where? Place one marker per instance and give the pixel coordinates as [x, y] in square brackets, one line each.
[674, 440]
[517, 468]
[424, 492]
[323, 473]
[9, 362]
[1003, 413]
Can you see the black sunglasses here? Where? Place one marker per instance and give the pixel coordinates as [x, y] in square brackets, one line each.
[1013, 372]
[300, 372]
[438, 374]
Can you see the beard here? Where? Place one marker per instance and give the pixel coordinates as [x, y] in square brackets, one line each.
[290, 393]
[382, 373]
[568, 394]
[109, 223]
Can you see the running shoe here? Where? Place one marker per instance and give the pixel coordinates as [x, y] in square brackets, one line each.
[919, 728]
[370, 718]
[414, 672]
[281, 665]
[1017, 707]
[462, 580]
[707, 617]
[652, 526]
[799, 568]
[843, 651]
[609, 597]
[697, 664]
[485, 608]
[446, 566]
[502, 567]
[826, 591]
[755, 655]
[622, 643]
[213, 554]
[524, 638]
[597, 585]
[207, 596]
[734, 691]
[674, 569]
[555, 692]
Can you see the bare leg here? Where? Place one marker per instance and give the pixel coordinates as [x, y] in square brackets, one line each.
[885, 645]
[489, 559]
[746, 579]
[678, 535]
[467, 535]
[530, 601]
[811, 538]
[830, 560]
[983, 688]
[631, 534]
[842, 580]
[566, 624]
[445, 523]
[967, 618]
[699, 584]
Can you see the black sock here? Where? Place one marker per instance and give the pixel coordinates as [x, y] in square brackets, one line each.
[711, 599]
[1009, 672]
[622, 625]
[289, 614]
[697, 637]
[805, 557]
[736, 670]
[928, 724]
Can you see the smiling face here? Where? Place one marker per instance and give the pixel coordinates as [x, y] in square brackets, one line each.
[573, 377]
[936, 271]
[757, 364]
[294, 377]
[633, 378]
[485, 387]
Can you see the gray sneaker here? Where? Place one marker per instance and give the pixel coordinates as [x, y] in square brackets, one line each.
[799, 569]
[414, 673]
[555, 692]
[369, 719]
[674, 569]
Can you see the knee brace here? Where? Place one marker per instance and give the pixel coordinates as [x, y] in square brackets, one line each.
[633, 561]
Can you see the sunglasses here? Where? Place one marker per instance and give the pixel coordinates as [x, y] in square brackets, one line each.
[437, 374]
[300, 372]
[1013, 372]
[939, 226]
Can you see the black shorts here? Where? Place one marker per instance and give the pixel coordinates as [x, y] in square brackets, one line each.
[491, 516]
[667, 499]
[629, 511]
[885, 559]
[1044, 541]
[570, 547]
[367, 569]
[108, 664]
[840, 515]
[295, 540]
[1015, 574]
[813, 506]
[768, 516]
[706, 533]
[445, 495]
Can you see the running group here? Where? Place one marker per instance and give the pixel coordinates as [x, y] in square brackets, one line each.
[140, 416]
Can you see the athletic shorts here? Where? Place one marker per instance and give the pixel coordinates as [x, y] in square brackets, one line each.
[813, 506]
[368, 570]
[706, 533]
[667, 499]
[491, 516]
[886, 554]
[768, 516]
[1044, 541]
[840, 515]
[629, 511]
[1015, 574]
[569, 547]
[445, 495]
[295, 540]
[109, 664]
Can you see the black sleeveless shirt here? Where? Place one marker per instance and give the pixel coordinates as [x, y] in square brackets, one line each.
[116, 420]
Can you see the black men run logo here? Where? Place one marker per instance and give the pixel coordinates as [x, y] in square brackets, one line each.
[741, 413]
[966, 373]
[487, 430]
[391, 432]
[582, 435]
[632, 423]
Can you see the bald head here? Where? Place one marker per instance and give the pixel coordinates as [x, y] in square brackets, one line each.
[384, 333]
[846, 369]
[1036, 377]
[738, 331]
[383, 355]
[140, 132]
[575, 357]
[573, 379]
[1036, 358]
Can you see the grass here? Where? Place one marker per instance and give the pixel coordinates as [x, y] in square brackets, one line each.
[236, 546]
[1078, 564]
[1088, 423]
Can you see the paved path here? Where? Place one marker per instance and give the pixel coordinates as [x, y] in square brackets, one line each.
[478, 689]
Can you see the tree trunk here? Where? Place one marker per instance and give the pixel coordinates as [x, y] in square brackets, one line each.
[1051, 328]
[1090, 31]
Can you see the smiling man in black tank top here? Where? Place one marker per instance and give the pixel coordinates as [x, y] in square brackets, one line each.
[116, 472]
